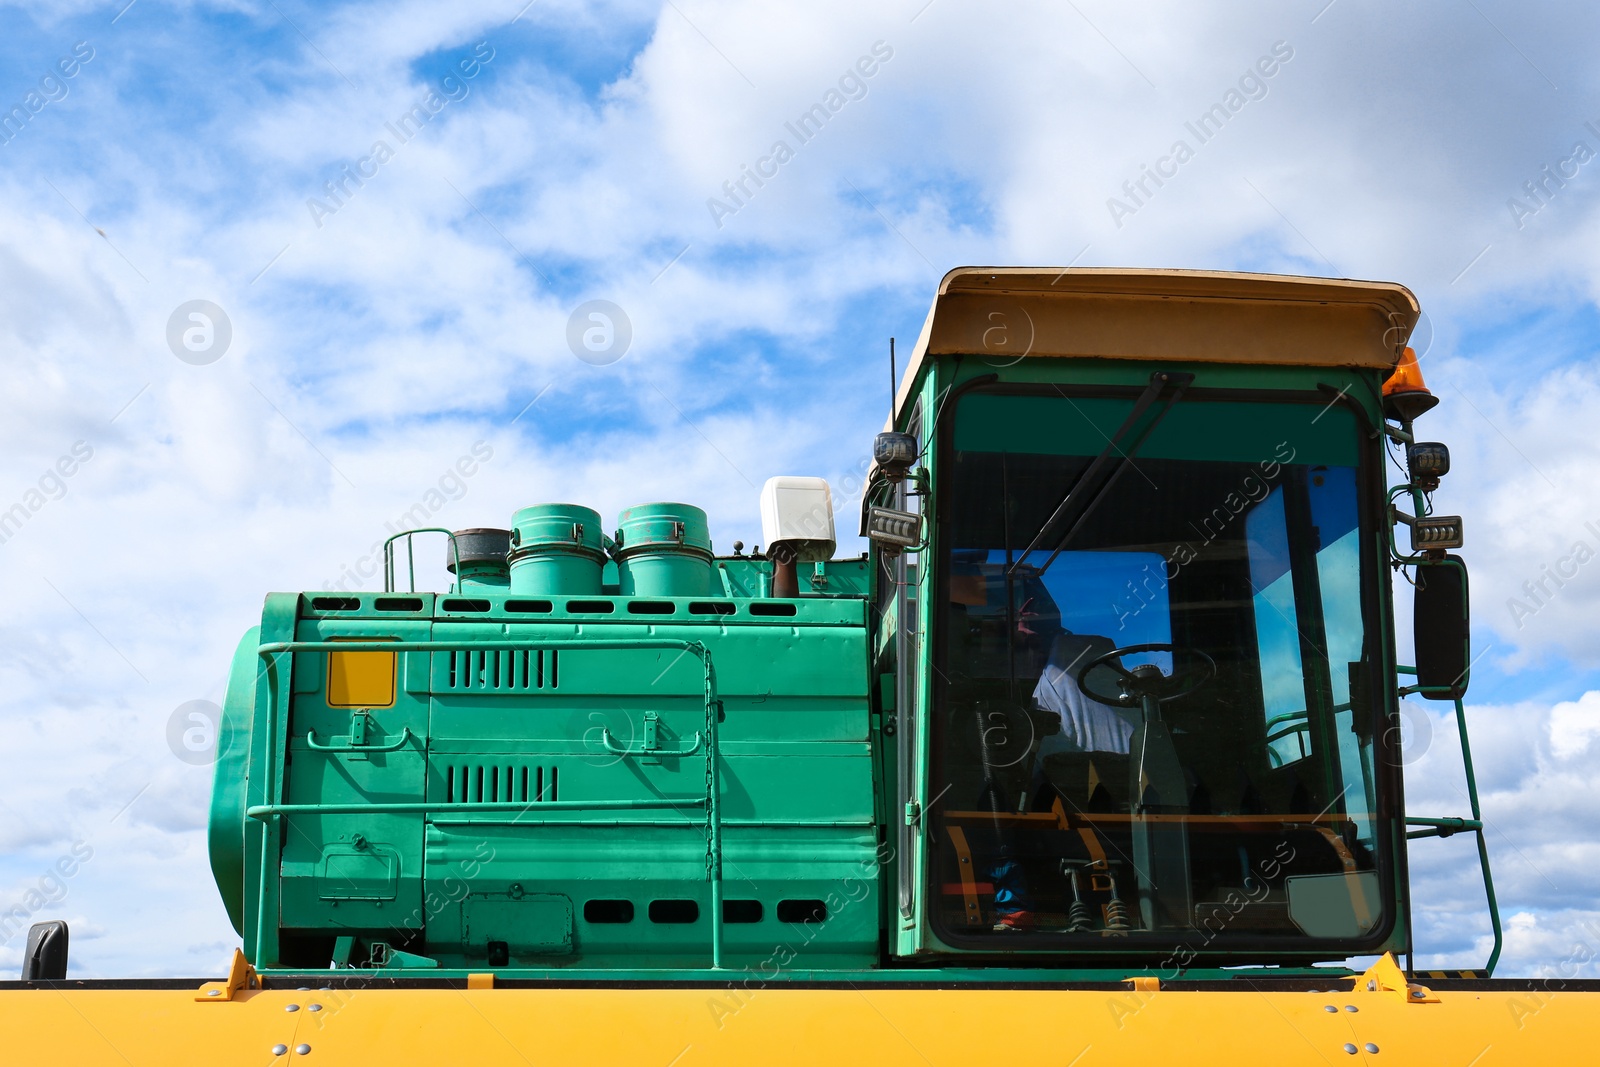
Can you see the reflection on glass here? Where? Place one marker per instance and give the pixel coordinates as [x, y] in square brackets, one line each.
[1152, 725]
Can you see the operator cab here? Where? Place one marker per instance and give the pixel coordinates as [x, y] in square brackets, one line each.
[1153, 613]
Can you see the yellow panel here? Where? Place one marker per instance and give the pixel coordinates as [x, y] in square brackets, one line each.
[776, 1027]
[360, 679]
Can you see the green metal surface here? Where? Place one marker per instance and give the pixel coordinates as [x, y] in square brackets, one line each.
[634, 763]
[1248, 431]
[451, 797]
[225, 831]
[480, 578]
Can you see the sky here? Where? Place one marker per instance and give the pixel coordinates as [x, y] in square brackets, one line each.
[396, 218]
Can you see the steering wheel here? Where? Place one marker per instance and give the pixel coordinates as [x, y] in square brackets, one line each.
[1147, 679]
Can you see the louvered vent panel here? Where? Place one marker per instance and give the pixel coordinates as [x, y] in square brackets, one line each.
[500, 782]
[509, 670]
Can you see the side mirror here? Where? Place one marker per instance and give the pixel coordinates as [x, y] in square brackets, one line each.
[45, 958]
[1441, 629]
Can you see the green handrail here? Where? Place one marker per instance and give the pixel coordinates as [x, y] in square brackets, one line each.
[711, 801]
[409, 807]
[1451, 826]
[411, 557]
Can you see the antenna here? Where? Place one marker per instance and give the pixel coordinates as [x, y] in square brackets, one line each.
[894, 378]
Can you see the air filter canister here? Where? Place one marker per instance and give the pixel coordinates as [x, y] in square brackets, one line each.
[482, 560]
[664, 550]
[556, 550]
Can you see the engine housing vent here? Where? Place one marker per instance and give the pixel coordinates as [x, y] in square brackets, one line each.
[499, 781]
[510, 670]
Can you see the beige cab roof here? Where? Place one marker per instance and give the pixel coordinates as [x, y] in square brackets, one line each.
[1004, 314]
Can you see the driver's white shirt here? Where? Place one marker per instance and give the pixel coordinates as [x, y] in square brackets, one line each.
[1086, 725]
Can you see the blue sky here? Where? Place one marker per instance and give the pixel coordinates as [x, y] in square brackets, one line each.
[376, 343]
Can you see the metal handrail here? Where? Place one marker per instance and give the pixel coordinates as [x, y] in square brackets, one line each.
[1298, 721]
[711, 801]
[411, 557]
[410, 807]
[1451, 826]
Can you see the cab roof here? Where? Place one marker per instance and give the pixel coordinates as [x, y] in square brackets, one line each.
[1008, 313]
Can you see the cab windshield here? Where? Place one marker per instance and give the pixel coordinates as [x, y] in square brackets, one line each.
[1153, 718]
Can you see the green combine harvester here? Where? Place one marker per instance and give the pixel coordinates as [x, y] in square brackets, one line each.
[1094, 757]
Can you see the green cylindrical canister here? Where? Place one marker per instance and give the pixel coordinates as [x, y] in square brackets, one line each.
[482, 564]
[556, 550]
[664, 550]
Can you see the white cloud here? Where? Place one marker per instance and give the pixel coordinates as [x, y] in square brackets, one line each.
[379, 347]
[1573, 724]
[1527, 477]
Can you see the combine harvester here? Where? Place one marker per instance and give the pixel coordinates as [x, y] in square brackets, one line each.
[1092, 759]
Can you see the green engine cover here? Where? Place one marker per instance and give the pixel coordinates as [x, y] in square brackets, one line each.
[225, 831]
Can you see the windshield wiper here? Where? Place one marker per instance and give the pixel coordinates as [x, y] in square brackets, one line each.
[1091, 487]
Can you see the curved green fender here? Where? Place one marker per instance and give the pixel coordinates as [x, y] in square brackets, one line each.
[226, 833]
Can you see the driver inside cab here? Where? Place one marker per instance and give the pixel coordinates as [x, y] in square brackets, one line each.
[1086, 725]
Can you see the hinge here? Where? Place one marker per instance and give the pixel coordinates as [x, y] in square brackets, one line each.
[652, 736]
[241, 976]
[1385, 976]
[913, 812]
